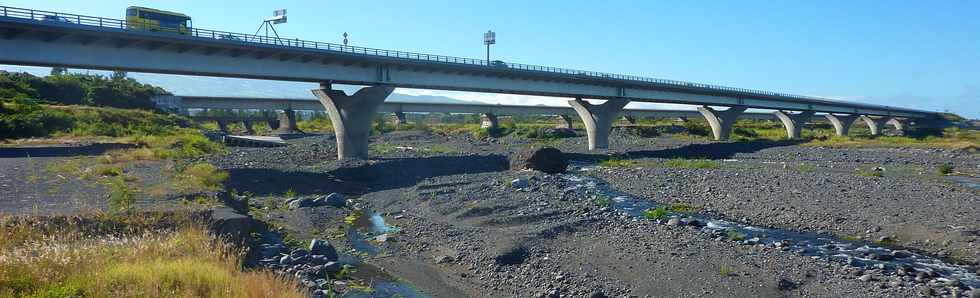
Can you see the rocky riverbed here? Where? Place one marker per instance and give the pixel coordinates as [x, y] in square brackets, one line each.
[466, 225]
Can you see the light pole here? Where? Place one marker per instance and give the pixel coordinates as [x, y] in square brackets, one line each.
[489, 38]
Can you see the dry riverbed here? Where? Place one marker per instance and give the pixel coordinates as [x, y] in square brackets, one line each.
[462, 227]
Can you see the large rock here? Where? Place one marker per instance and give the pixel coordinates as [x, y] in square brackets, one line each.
[546, 159]
[323, 248]
[301, 203]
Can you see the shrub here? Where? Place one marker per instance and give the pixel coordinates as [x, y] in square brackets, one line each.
[944, 169]
[697, 128]
[656, 213]
[121, 196]
[199, 177]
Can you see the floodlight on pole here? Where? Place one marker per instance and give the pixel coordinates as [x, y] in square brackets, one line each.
[489, 38]
[278, 17]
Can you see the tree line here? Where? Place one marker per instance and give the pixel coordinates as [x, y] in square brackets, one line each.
[79, 89]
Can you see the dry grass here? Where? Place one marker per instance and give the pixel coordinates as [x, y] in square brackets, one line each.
[132, 255]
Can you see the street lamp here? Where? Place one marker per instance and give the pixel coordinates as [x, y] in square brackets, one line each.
[489, 38]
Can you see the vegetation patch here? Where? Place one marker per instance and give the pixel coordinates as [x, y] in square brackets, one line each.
[951, 138]
[126, 255]
[868, 173]
[944, 169]
[617, 162]
[656, 213]
[199, 178]
[680, 163]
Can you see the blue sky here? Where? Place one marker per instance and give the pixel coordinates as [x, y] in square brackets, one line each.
[921, 54]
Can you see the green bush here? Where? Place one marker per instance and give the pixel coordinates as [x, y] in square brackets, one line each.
[25, 118]
[697, 128]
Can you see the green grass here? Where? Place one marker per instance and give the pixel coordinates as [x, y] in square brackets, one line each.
[944, 169]
[656, 213]
[617, 162]
[290, 193]
[437, 148]
[663, 212]
[602, 201]
[199, 177]
[680, 163]
[682, 208]
[806, 168]
[867, 173]
[126, 255]
[734, 235]
[726, 271]
[951, 138]
[382, 149]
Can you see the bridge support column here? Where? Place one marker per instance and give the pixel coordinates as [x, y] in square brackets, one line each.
[794, 122]
[488, 120]
[351, 116]
[287, 123]
[901, 125]
[842, 123]
[875, 124]
[598, 119]
[273, 123]
[400, 118]
[564, 121]
[223, 125]
[721, 121]
[249, 129]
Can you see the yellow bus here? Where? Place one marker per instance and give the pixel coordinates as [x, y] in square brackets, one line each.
[142, 18]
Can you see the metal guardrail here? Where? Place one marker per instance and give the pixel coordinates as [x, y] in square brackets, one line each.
[49, 16]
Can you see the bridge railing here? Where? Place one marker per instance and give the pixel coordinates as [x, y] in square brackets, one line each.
[49, 16]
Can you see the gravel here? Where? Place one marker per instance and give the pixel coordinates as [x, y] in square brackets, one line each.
[465, 230]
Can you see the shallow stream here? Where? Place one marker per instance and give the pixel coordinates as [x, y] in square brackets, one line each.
[860, 254]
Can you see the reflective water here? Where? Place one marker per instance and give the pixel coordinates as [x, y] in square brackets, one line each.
[366, 230]
[856, 253]
[965, 181]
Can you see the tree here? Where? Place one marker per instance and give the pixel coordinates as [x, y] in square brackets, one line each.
[59, 70]
[118, 75]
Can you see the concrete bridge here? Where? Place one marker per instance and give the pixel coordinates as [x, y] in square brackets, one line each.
[32, 37]
[286, 108]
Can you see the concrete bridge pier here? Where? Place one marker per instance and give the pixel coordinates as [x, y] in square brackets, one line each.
[273, 123]
[875, 124]
[900, 124]
[564, 121]
[489, 120]
[223, 125]
[721, 122]
[351, 116]
[249, 128]
[400, 118]
[287, 123]
[598, 119]
[794, 122]
[842, 123]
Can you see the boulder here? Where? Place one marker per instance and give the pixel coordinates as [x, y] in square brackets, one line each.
[301, 203]
[546, 159]
[323, 247]
[335, 200]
